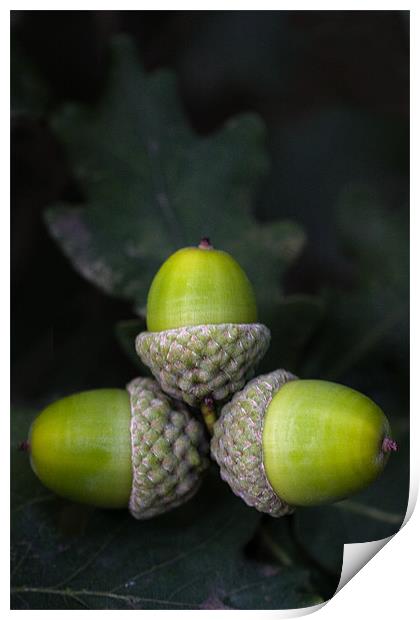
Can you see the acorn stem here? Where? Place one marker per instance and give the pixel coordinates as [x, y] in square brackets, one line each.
[205, 244]
[389, 445]
[24, 446]
[208, 410]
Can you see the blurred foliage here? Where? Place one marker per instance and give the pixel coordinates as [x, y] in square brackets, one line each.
[152, 186]
[311, 199]
[377, 242]
[371, 317]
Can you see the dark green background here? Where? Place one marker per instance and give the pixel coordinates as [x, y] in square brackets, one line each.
[298, 123]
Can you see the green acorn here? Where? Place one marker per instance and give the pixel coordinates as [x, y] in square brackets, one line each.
[283, 442]
[115, 448]
[203, 339]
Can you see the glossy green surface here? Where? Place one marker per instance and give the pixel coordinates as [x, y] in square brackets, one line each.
[199, 286]
[322, 442]
[80, 447]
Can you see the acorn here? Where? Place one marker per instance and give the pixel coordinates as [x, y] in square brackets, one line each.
[203, 340]
[115, 448]
[284, 442]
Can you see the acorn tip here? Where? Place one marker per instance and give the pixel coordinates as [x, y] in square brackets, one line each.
[389, 445]
[205, 244]
[24, 446]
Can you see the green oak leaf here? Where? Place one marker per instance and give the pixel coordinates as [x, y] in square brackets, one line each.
[68, 556]
[151, 186]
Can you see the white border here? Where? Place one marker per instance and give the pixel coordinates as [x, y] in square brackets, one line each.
[388, 584]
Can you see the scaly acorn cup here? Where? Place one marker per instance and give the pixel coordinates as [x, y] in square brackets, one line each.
[203, 341]
[115, 448]
[284, 442]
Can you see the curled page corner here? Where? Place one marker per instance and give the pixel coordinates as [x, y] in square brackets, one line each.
[356, 556]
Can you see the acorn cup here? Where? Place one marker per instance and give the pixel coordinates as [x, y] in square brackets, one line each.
[203, 340]
[113, 448]
[283, 442]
